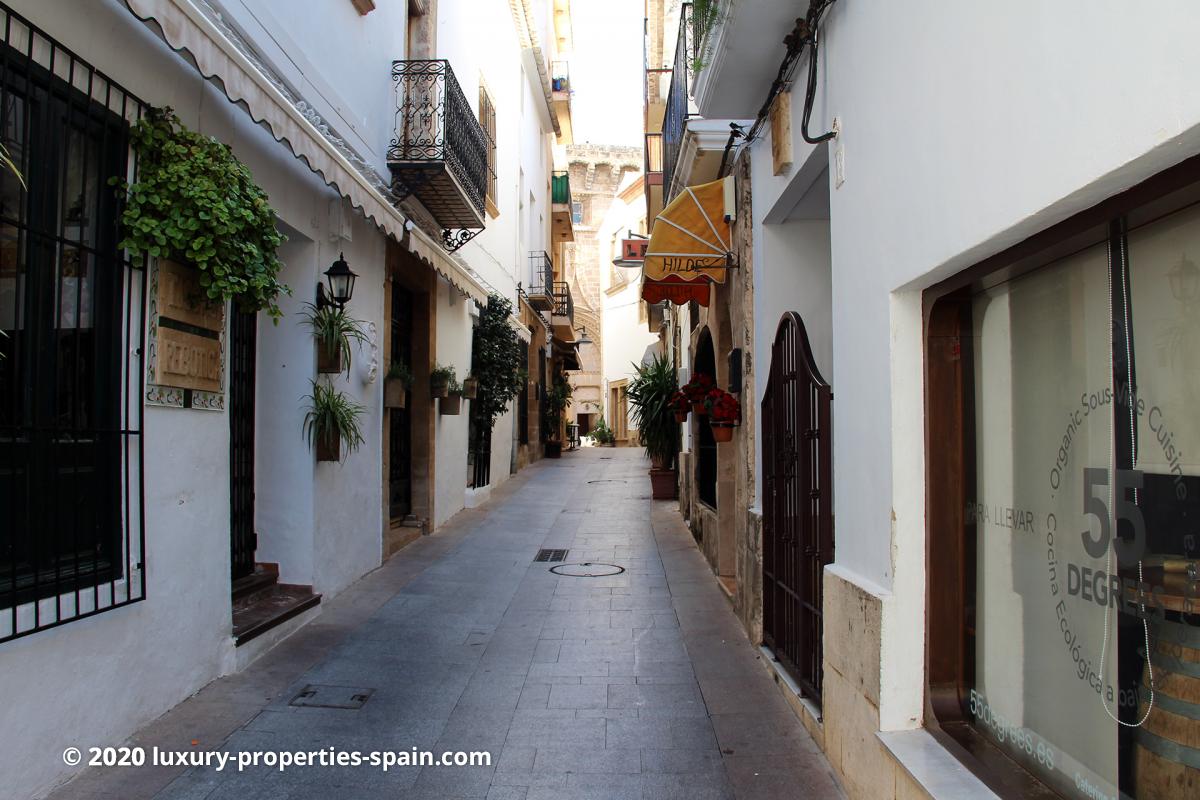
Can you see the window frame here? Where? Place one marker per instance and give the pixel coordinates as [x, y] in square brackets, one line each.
[950, 458]
[487, 121]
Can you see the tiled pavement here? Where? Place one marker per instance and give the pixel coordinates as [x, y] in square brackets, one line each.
[640, 685]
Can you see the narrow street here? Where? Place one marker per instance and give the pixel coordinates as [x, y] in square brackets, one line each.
[639, 685]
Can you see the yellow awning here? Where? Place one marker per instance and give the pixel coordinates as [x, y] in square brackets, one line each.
[691, 240]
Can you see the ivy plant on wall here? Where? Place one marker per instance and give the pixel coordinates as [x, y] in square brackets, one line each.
[498, 359]
[196, 203]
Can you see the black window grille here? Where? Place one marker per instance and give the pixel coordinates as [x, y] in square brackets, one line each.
[72, 322]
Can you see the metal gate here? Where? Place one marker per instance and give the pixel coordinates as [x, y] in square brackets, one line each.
[243, 338]
[798, 504]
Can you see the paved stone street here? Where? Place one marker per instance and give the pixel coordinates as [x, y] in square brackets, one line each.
[640, 685]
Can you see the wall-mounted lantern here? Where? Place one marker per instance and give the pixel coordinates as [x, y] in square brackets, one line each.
[341, 284]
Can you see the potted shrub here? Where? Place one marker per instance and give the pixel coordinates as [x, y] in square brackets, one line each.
[396, 385]
[650, 393]
[681, 406]
[195, 203]
[451, 404]
[332, 420]
[558, 397]
[724, 412]
[696, 390]
[333, 329]
[604, 435]
[440, 379]
[470, 387]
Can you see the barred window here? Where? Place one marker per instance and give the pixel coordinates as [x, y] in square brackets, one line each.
[71, 324]
[487, 120]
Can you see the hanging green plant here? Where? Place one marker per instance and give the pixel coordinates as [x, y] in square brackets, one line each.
[196, 203]
[498, 358]
[332, 420]
[334, 330]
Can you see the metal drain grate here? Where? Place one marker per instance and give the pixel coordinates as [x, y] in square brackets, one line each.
[318, 696]
[551, 555]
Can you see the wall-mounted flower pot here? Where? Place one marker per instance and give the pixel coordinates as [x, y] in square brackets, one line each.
[450, 405]
[681, 416]
[470, 388]
[329, 448]
[698, 408]
[439, 387]
[663, 483]
[329, 359]
[553, 449]
[395, 393]
[722, 431]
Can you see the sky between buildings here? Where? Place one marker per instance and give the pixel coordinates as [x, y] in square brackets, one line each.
[606, 71]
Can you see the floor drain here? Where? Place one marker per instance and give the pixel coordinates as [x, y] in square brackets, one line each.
[587, 570]
[551, 555]
[317, 696]
[608, 480]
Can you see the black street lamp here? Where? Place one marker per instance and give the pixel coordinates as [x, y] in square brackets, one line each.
[341, 281]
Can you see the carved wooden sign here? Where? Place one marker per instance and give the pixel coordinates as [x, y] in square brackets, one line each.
[186, 368]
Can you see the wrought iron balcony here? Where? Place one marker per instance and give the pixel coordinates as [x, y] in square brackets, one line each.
[564, 304]
[678, 103]
[541, 281]
[439, 151]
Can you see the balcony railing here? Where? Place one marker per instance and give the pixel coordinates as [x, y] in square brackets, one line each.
[439, 151]
[564, 304]
[541, 281]
[676, 114]
[560, 188]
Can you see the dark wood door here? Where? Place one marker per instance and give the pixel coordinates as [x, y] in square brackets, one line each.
[400, 424]
[797, 504]
[243, 341]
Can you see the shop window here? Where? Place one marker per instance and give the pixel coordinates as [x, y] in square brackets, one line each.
[70, 342]
[1064, 529]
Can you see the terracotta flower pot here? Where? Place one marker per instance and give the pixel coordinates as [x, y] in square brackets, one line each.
[329, 359]
[395, 393]
[450, 405]
[663, 484]
[329, 448]
[681, 416]
[470, 388]
[698, 408]
[722, 431]
[553, 449]
[439, 387]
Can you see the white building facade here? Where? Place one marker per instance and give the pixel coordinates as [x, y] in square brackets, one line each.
[140, 579]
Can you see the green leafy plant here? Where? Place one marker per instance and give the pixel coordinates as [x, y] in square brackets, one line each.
[705, 14]
[650, 394]
[558, 397]
[195, 202]
[399, 371]
[602, 433]
[334, 330]
[446, 375]
[332, 417]
[498, 358]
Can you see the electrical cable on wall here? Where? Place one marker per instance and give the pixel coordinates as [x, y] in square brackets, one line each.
[805, 33]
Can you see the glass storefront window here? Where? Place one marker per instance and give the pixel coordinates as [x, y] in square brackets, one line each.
[1080, 386]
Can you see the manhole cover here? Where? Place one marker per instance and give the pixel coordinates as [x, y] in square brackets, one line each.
[587, 569]
[551, 555]
[319, 696]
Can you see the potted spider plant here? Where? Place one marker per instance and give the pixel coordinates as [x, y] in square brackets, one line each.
[650, 393]
[333, 329]
[451, 404]
[396, 385]
[440, 379]
[332, 420]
